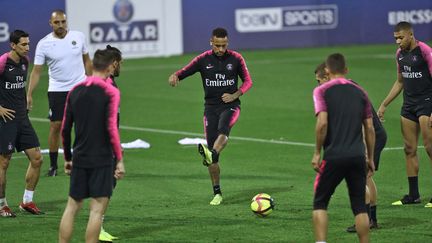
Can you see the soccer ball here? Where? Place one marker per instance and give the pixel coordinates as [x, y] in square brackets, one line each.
[262, 204]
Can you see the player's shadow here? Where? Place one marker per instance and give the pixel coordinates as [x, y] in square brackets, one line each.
[140, 176]
[155, 225]
[253, 177]
[200, 176]
[400, 222]
[53, 205]
[243, 196]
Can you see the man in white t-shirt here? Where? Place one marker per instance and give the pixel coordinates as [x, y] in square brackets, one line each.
[65, 52]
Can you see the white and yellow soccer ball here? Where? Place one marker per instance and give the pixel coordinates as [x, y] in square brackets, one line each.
[262, 204]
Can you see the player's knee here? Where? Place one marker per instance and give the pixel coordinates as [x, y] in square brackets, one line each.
[4, 161]
[36, 160]
[55, 126]
[320, 205]
[96, 211]
[428, 147]
[223, 134]
[410, 150]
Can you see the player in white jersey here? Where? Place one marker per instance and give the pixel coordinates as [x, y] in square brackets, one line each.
[66, 55]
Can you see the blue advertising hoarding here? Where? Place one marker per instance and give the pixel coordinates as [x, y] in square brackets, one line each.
[30, 16]
[257, 24]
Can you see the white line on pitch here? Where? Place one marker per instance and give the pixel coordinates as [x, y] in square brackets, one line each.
[258, 140]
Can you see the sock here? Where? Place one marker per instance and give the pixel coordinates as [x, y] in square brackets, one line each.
[373, 213]
[3, 202]
[413, 187]
[217, 189]
[320, 242]
[28, 196]
[368, 210]
[215, 156]
[53, 159]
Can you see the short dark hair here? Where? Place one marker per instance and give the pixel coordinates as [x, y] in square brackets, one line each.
[102, 59]
[320, 70]
[220, 32]
[403, 26]
[336, 63]
[16, 35]
[115, 52]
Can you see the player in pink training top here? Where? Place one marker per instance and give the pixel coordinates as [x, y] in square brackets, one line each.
[220, 69]
[342, 109]
[414, 77]
[16, 131]
[91, 108]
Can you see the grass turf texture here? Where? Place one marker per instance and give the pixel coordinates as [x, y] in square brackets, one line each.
[165, 194]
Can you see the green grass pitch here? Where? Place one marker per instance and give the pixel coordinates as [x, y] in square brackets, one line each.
[165, 194]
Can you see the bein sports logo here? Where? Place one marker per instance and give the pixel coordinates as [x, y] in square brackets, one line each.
[313, 17]
[123, 29]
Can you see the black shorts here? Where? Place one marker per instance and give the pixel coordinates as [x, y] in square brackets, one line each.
[91, 182]
[114, 168]
[219, 120]
[380, 142]
[17, 135]
[56, 103]
[413, 112]
[332, 173]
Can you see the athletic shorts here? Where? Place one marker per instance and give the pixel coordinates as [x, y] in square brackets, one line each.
[56, 103]
[380, 142]
[219, 120]
[17, 135]
[413, 112]
[332, 173]
[91, 182]
[114, 168]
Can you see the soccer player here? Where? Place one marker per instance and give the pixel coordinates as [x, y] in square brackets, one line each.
[65, 53]
[16, 131]
[91, 108]
[118, 60]
[380, 141]
[414, 77]
[219, 69]
[342, 109]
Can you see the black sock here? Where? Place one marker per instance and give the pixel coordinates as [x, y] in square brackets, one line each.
[368, 210]
[53, 159]
[217, 189]
[413, 187]
[215, 156]
[373, 213]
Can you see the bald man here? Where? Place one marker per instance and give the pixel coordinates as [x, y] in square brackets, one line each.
[65, 53]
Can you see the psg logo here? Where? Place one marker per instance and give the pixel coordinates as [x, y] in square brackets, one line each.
[123, 10]
[414, 58]
[229, 66]
[23, 67]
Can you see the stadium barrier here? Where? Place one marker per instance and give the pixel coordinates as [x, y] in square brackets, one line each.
[171, 27]
[257, 24]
